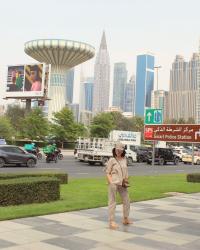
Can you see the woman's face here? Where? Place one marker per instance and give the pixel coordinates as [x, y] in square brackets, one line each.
[118, 152]
[33, 75]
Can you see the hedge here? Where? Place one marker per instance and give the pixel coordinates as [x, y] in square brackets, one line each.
[63, 177]
[193, 177]
[29, 190]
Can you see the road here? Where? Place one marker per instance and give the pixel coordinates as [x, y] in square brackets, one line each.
[77, 169]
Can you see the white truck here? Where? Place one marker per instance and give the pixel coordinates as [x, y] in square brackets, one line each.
[89, 146]
[99, 150]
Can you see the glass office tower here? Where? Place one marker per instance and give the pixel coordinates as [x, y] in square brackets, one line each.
[129, 100]
[70, 86]
[89, 85]
[119, 83]
[144, 82]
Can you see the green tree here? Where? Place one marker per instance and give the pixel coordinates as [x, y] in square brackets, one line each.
[166, 121]
[121, 122]
[191, 120]
[181, 121]
[138, 124]
[171, 121]
[101, 125]
[15, 114]
[64, 127]
[6, 129]
[81, 130]
[35, 125]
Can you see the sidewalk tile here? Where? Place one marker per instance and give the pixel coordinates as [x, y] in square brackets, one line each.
[106, 235]
[6, 243]
[25, 236]
[72, 243]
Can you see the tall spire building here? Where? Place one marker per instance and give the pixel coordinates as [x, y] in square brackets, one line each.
[101, 78]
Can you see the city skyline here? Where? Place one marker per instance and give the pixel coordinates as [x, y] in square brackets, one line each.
[137, 30]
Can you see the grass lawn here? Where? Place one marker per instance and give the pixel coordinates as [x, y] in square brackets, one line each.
[89, 193]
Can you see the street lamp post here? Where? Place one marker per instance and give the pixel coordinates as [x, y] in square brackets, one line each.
[154, 143]
[157, 68]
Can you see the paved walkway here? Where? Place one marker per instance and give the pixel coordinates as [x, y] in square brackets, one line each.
[165, 224]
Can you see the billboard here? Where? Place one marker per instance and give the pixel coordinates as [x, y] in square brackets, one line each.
[126, 137]
[173, 133]
[26, 81]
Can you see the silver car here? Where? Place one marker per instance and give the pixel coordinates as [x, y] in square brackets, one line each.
[10, 154]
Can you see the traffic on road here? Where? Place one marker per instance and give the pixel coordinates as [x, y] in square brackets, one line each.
[77, 169]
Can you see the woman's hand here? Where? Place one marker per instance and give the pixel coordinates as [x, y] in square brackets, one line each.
[109, 178]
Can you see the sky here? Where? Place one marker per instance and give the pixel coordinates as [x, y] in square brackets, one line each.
[164, 28]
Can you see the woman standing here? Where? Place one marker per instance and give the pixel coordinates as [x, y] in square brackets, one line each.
[117, 176]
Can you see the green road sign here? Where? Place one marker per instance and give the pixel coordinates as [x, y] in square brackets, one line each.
[153, 116]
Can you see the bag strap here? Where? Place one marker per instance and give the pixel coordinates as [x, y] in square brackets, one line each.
[120, 166]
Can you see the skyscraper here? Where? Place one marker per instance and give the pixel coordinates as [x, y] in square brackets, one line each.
[159, 101]
[119, 82]
[144, 82]
[74, 107]
[86, 100]
[101, 78]
[184, 88]
[88, 86]
[129, 99]
[70, 86]
[86, 94]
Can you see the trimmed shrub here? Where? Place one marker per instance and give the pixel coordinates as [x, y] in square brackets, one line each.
[193, 177]
[29, 190]
[63, 177]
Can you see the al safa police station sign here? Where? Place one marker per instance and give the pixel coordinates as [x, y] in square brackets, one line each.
[173, 133]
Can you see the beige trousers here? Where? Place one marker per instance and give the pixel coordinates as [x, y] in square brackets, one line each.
[112, 192]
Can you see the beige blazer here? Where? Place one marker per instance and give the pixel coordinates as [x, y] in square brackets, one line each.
[117, 173]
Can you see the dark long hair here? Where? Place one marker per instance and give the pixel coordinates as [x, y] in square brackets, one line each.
[36, 69]
[122, 155]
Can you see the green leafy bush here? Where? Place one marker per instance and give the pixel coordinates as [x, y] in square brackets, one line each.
[195, 177]
[63, 177]
[29, 190]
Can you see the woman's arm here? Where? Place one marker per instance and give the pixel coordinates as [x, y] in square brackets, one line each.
[108, 171]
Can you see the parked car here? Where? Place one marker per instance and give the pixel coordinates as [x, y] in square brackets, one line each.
[10, 154]
[142, 153]
[181, 152]
[163, 156]
[188, 159]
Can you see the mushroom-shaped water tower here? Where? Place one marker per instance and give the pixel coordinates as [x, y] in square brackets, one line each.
[62, 55]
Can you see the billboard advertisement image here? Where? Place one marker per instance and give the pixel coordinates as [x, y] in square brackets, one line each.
[33, 77]
[15, 78]
[25, 81]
